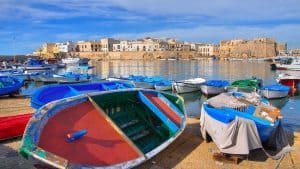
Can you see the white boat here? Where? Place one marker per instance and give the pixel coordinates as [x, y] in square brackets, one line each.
[189, 85]
[163, 85]
[70, 60]
[288, 64]
[214, 87]
[275, 91]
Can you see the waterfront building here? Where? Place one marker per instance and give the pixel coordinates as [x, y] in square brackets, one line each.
[260, 47]
[208, 49]
[107, 44]
[295, 52]
[66, 47]
[88, 46]
[175, 45]
[282, 49]
[47, 50]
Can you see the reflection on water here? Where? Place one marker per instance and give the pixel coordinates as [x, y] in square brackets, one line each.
[208, 69]
[279, 103]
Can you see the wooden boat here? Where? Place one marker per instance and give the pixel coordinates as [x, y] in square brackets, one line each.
[10, 85]
[163, 85]
[246, 85]
[293, 81]
[145, 82]
[189, 85]
[214, 87]
[222, 115]
[50, 93]
[122, 129]
[275, 91]
[13, 126]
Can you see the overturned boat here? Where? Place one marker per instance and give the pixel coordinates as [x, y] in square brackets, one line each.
[214, 87]
[118, 129]
[50, 93]
[275, 91]
[238, 122]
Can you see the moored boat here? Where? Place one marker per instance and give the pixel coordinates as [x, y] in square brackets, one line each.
[246, 85]
[119, 129]
[13, 126]
[10, 84]
[293, 81]
[50, 93]
[189, 85]
[275, 91]
[239, 122]
[163, 85]
[291, 63]
[213, 87]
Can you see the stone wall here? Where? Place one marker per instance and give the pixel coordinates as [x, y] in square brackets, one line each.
[139, 55]
[262, 47]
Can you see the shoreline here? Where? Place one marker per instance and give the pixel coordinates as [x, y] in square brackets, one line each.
[188, 151]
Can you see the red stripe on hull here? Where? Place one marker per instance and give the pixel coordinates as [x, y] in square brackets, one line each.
[13, 126]
[165, 108]
[101, 146]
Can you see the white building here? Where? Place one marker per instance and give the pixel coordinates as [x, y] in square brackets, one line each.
[107, 44]
[66, 47]
[208, 50]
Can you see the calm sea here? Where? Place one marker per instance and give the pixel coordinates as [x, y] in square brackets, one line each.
[208, 69]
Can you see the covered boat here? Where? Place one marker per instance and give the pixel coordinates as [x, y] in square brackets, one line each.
[118, 129]
[50, 93]
[238, 122]
[36, 64]
[275, 91]
[189, 85]
[13, 126]
[146, 82]
[214, 87]
[246, 85]
[10, 84]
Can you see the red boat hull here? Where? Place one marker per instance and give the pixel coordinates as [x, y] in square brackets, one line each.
[13, 126]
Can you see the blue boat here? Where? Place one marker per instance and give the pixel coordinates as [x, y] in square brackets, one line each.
[72, 77]
[227, 107]
[10, 84]
[50, 93]
[163, 85]
[275, 91]
[214, 87]
[146, 82]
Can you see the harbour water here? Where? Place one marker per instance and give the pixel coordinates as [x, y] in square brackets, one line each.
[208, 69]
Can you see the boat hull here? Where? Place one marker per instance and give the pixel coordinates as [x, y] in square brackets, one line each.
[162, 88]
[240, 89]
[271, 94]
[211, 90]
[12, 88]
[185, 87]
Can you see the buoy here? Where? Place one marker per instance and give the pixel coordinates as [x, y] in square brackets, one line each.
[76, 135]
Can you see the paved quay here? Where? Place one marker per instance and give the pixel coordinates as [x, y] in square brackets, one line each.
[188, 151]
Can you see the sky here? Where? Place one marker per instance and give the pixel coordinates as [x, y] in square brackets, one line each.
[26, 24]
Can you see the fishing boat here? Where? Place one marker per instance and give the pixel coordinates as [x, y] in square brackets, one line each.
[189, 85]
[112, 129]
[163, 85]
[10, 85]
[275, 91]
[13, 126]
[35, 65]
[290, 63]
[146, 82]
[293, 81]
[238, 122]
[214, 87]
[246, 85]
[72, 77]
[50, 93]
[70, 60]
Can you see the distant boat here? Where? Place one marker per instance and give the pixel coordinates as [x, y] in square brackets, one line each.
[189, 85]
[245, 85]
[50, 93]
[275, 91]
[70, 60]
[238, 122]
[213, 87]
[35, 65]
[13, 126]
[114, 129]
[287, 64]
[10, 84]
[293, 81]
